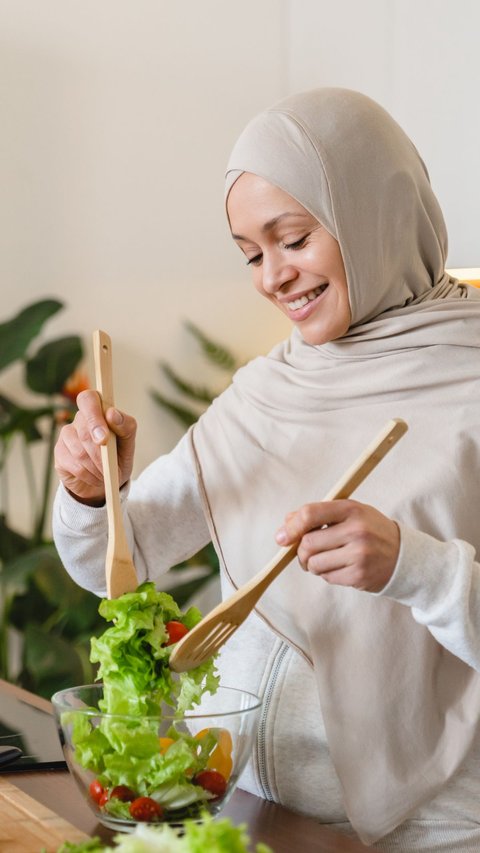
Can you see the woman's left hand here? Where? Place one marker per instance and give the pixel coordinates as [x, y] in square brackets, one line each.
[344, 542]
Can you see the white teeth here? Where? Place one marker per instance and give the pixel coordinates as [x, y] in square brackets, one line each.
[298, 303]
[303, 300]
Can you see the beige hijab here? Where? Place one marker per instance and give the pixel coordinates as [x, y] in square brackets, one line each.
[400, 710]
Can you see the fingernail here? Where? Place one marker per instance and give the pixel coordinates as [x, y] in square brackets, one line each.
[281, 536]
[99, 434]
[116, 417]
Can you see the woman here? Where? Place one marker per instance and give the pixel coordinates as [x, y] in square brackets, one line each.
[370, 678]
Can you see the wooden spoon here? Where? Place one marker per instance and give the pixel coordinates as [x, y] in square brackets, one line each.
[207, 637]
[119, 568]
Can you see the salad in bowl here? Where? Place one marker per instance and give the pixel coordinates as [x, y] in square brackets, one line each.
[145, 744]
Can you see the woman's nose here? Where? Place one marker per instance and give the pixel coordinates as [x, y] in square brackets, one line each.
[276, 273]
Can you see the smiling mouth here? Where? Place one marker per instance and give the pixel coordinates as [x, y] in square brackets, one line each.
[308, 297]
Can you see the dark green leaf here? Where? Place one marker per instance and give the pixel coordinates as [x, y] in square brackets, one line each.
[18, 571]
[215, 352]
[77, 608]
[185, 416]
[196, 392]
[17, 333]
[50, 661]
[54, 363]
[30, 607]
[11, 543]
[14, 419]
[54, 582]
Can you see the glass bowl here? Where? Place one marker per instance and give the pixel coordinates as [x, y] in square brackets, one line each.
[156, 769]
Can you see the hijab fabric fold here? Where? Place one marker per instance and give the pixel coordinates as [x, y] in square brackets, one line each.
[400, 711]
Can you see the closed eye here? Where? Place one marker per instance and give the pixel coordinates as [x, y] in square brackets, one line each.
[298, 244]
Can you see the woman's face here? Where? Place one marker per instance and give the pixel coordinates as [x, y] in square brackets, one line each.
[295, 261]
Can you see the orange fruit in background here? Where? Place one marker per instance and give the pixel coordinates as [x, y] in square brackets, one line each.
[220, 758]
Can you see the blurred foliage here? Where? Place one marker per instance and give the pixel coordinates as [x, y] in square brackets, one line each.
[191, 398]
[52, 615]
[54, 618]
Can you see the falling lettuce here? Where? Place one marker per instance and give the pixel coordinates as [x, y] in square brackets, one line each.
[219, 836]
[133, 657]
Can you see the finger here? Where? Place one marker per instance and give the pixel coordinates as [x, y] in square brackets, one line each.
[324, 540]
[343, 572]
[78, 439]
[337, 577]
[312, 516]
[123, 425]
[285, 534]
[328, 562]
[81, 457]
[89, 405]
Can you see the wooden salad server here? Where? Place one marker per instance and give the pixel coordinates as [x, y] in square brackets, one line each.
[207, 637]
[120, 571]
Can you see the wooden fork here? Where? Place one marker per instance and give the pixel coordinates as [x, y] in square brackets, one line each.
[119, 568]
[206, 638]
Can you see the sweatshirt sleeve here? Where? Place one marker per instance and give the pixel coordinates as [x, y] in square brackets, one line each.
[163, 518]
[440, 582]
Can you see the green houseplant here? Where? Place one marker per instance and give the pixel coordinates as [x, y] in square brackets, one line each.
[51, 618]
[190, 400]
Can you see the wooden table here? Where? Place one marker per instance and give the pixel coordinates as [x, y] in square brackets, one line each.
[284, 830]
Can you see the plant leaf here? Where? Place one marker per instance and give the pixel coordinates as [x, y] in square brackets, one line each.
[77, 608]
[17, 333]
[215, 352]
[196, 392]
[54, 363]
[185, 416]
[14, 419]
[11, 543]
[49, 662]
[17, 572]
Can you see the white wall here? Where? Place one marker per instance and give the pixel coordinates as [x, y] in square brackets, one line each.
[420, 60]
[117, 121]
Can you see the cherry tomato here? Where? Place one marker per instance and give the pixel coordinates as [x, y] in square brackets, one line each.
[123, 793]
[211, 780]
[146, 809]
[96, 790]
[175, 631]
[221, 757]
[103, 799]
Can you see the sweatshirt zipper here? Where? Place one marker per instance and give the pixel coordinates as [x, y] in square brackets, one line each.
[262, 729]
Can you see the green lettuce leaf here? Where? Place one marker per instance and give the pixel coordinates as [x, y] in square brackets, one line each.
[133, 658]
[137, 680]
[214, 836]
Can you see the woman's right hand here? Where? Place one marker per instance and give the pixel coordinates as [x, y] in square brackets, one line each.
[77, 452]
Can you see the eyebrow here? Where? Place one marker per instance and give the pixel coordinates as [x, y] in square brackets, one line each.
[271, 223]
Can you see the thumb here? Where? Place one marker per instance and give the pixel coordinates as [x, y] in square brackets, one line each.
[288, 532]
[124, 426]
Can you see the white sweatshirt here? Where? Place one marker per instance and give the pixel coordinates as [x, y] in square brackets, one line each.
[291, 764]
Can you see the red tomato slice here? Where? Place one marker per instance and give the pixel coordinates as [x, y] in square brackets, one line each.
[103, 799]
[145, 809]
[211, 780]
[96, 790]
[123, 793]
[175, 631]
